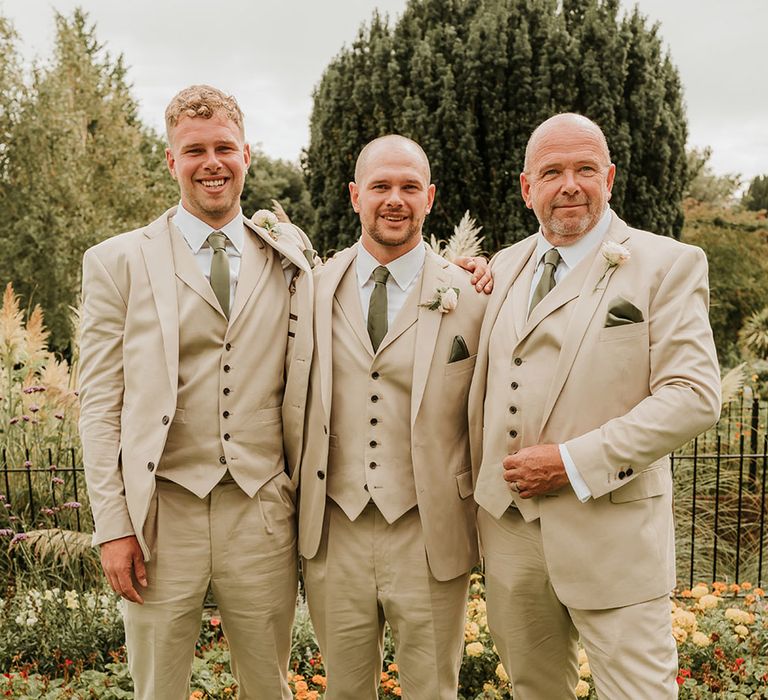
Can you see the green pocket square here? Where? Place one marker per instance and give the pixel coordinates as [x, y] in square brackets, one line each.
[622, 312]
[459, 350]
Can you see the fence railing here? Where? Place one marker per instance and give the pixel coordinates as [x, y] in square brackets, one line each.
[719, 500]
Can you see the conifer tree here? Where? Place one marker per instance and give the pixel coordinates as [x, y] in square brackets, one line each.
[470, 79]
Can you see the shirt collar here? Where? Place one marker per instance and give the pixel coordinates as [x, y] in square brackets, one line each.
[196, 232]
[403, 269]
[573, 254]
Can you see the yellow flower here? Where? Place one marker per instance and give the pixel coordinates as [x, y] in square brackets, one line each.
[501, 674]
[471, 630]
[584, 670]
[582, 689]
[700, 639]
[699, 590]
[740, 617]
[707, 601]
[741, 631]
[319, 680]
[475, 648]
[582, 656]
[301, 686]
[680, 635]
[684, 619]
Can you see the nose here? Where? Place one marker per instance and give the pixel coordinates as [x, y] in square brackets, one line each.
[394, 199]
[212, 161]
[570, 182]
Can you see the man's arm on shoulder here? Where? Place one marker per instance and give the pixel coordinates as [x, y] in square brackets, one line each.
[684, 383]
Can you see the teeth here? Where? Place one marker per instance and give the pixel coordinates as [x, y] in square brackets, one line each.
[213, 183]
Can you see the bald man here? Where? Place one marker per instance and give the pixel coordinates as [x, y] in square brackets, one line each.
[387, 521]
[596, 360]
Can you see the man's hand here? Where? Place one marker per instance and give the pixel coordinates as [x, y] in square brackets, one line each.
[123, 562]
[482, 277]
[536, 470]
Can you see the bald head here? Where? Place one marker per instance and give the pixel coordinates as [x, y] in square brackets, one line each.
[392, 143]
[567, 123]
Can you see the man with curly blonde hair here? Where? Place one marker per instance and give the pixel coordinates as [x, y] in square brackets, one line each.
[193, 376]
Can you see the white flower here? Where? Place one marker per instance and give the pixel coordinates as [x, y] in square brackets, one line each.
[582, 689]
[31, 621]
[265, 218]
[475, 648]
[445, 299]
[614, 253]
[71, 600]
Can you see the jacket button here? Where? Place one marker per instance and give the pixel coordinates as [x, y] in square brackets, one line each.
[373, 465]
[151, 466]
[228, 346]
[375, 375]
[513, 433]
[622, 474]
[630, 471]
[227, 368]
[227, 436]
[166, 420]
[225, 414]
[513, 409]
[321, 475]
[374, 398]
[373, 443]
[374, 421]
[227, 390]
[223, 459]
[518, 361]
[514, 385]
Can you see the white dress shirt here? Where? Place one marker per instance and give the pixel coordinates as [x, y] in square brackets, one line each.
[196, 234]
[403, 274]
[571, 255]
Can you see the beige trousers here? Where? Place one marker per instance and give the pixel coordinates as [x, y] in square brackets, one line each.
[245, 548]
[631, 651]
[366, 572]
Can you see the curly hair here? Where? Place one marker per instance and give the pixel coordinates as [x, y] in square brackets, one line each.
[202, 101]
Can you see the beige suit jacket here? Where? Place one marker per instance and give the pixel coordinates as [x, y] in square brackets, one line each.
[438, 407]
[621, 398]
[129, 366]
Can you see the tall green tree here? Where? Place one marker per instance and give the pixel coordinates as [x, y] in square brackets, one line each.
[756, 196]
[80, 168]
[470, 80]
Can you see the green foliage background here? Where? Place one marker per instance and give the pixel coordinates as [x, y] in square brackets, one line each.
[469, 80]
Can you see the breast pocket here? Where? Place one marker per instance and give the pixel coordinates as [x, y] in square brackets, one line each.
[629, 330]
[465, 365]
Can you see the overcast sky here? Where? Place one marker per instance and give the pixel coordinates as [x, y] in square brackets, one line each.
[271, 54]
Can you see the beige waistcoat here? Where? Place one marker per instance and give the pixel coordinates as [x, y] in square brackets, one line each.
[370, 448]
[215, 428]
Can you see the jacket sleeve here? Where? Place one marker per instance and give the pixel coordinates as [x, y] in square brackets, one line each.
[101, 398]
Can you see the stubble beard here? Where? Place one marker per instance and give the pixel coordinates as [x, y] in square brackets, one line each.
[573, 228]
[413, 230]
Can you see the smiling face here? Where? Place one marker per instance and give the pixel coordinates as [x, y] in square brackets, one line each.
[568, 177]
[392, 194]
[209, 159]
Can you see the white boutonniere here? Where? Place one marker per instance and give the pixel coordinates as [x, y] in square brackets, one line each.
[615, 255]
[266, 220]
[444, 300]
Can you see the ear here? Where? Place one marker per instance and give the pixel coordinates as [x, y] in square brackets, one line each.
[609, 180]
[525, 189]
[354, 196]
[247, 155]
[431, 190]
[170, 162]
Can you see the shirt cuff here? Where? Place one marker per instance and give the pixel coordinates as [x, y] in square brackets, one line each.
[578, 484]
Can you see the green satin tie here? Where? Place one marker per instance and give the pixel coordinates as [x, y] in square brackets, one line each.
[220, 269]
[377, 307]
[547, 281]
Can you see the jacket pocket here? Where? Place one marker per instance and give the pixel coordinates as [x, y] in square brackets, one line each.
[464, 482]
[460, 366]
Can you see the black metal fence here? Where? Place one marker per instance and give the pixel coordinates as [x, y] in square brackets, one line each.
[720, 497]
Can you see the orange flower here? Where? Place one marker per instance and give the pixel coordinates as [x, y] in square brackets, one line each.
[197, 695]
[393, 668]
[215, 622]
[734, 588]
[759, 592]
[384, 676]
[746, 586]
[719, 586]
[397, 692]
[319, 680]
[301, 687]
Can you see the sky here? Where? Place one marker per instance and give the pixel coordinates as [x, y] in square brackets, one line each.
[271, 54]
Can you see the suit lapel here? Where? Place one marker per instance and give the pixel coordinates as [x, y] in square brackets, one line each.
[188, 271]
[252, 265]
[328, 280]
[436, 274]
[158, 258]
[282, 244]
[593, 288]
[347, 296]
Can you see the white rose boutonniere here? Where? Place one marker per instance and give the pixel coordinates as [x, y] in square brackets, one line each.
[267, 220]
[444, 300]
[615, 255]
